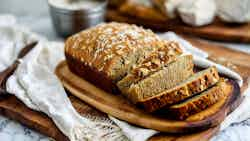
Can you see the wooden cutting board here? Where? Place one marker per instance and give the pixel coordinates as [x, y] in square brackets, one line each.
[216, 31]
[13, 108]
[119, 107]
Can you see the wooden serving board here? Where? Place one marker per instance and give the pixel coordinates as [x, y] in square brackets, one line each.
[118, 106]
[14, 109]
[216, 31]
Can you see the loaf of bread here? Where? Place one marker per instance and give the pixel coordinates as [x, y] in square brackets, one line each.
[149, 71]
[106, 53]
[195, 84]
[199, 102]
[165, 78]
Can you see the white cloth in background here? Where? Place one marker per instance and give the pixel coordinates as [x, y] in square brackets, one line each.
[191, 12]
[7, 20]
[197, 12]
[12, 39]
[34, 83]
[203, 12]
[234, 11]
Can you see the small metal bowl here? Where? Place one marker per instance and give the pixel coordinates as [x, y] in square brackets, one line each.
[67, 22]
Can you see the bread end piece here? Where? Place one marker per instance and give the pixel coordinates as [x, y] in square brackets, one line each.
[192, 86]
[199, 102]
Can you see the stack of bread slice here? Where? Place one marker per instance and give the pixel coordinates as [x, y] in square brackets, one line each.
[199, 102]
[175, 88]
[150, 72]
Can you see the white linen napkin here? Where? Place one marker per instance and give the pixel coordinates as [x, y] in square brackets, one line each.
[13, 38]
[35, 84]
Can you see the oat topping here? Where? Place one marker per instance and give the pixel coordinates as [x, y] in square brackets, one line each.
[162, 56]
[143, 72]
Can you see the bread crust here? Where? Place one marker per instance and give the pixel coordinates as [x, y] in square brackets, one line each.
[90, 74]
[172, 96]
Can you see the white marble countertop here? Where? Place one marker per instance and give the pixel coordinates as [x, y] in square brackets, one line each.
[13, 131]
[39, 21]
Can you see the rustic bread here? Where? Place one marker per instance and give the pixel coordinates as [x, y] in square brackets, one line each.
[106, 53]
[153, 63]
[199, 102]
[158, 81]
[195, 84]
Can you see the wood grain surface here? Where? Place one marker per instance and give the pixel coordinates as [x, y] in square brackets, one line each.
[216, 31]
[13, 108]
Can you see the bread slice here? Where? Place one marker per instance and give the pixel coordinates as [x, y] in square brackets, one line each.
[153, 63]
[157, 82]
[228, 89]
[193, 85]
[199, 102]
[106, 53]
[213, 108]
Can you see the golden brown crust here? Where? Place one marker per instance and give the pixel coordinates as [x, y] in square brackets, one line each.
[99, 47]
[198, 83]
[91, 75]
[198, 103]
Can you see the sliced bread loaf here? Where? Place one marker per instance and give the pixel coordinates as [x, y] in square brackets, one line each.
[158, 81]
[199, 102]
[106, 53]
[195, 84]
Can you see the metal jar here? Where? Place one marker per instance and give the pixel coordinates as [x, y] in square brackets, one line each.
[67, 22]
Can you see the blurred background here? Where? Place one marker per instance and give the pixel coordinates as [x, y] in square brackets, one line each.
[35, 14]
[31, 13]
[24, 7]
